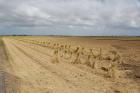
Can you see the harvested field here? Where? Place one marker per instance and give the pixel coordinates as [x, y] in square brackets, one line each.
[39, 64]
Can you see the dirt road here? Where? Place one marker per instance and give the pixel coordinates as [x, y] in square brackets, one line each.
[36, 73]
[2, 60]
[2, 89]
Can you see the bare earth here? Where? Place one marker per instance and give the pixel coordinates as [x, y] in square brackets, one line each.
[70, 65]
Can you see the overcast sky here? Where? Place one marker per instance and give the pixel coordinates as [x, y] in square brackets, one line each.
[70, 17]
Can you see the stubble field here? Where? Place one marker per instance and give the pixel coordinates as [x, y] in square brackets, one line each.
[48, 64]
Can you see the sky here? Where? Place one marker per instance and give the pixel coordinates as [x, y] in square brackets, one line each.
[70, 17]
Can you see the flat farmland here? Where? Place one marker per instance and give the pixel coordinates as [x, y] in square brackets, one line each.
[50, 64]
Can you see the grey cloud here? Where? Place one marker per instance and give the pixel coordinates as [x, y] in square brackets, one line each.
[98, 14]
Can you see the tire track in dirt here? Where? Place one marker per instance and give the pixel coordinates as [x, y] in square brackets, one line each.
[8, 82]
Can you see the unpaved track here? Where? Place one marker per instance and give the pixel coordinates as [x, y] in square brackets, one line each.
[38, 74]
[2, 88]
[2, 60]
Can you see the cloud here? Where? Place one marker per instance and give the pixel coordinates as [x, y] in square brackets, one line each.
[96, 14]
